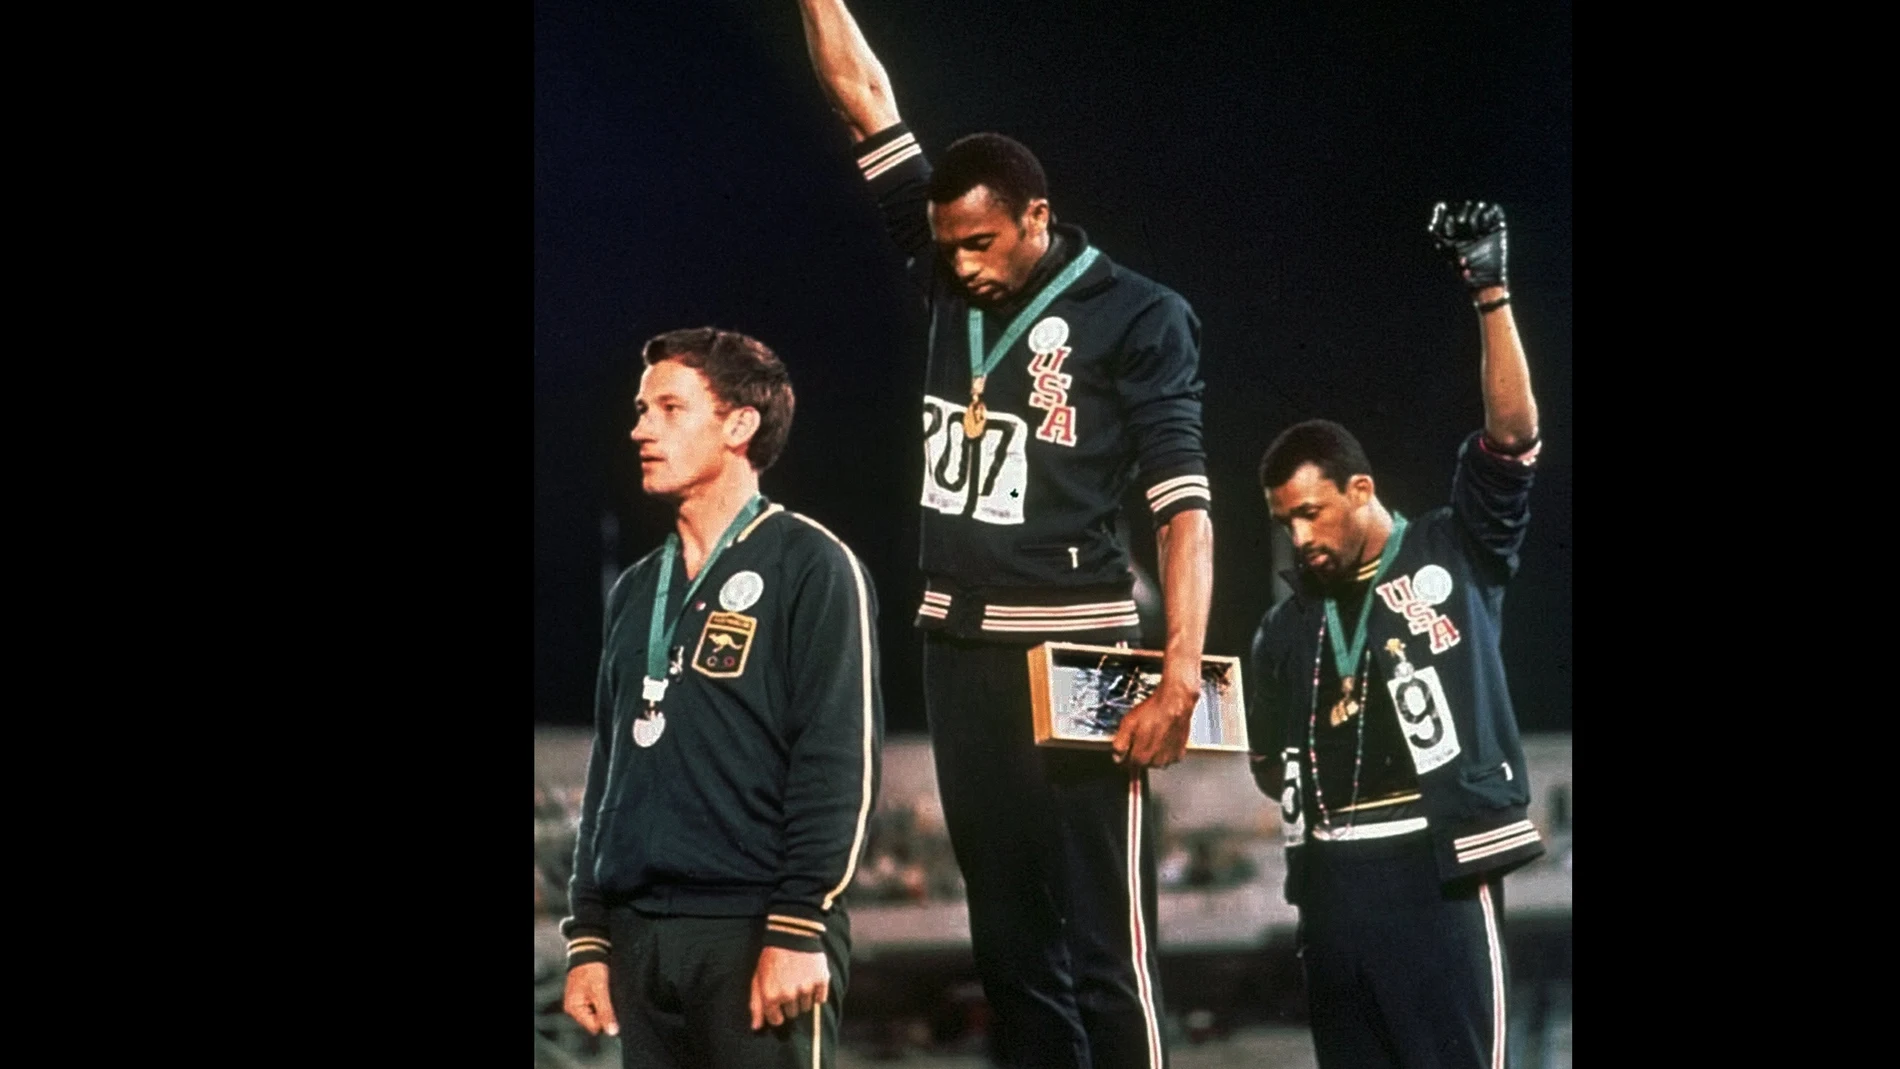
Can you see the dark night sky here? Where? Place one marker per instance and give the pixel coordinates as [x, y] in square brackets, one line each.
[1273, 163]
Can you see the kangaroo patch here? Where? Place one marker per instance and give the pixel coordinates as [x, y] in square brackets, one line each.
[724, 644]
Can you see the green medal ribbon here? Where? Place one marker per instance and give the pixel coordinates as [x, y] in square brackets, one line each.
[659, 632]
[981, 366]
[1346, 660]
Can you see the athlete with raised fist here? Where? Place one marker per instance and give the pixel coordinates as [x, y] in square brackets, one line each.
[1055, 379]
[1382, 721]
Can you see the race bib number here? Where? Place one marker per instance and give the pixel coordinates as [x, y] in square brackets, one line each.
[994, 469]
[1424, 718]
[1292, 820]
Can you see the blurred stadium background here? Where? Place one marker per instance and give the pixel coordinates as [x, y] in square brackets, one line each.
[1275, 165]
[1234, 995]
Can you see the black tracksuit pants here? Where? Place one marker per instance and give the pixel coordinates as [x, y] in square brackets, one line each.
[1057, 852]
[682, 989]
[1402, 971]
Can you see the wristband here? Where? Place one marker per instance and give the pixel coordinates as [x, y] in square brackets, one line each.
[1491, 306]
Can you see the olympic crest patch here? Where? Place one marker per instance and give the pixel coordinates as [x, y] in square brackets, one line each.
[1432, 584]
[724, 644]
[741, 591]
[1048, 335]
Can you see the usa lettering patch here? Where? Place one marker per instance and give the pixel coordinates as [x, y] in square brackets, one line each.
[1402, 596]
[1050, 392]
[1049, 387]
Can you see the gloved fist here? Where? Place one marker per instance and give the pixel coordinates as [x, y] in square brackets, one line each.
[1471, 235]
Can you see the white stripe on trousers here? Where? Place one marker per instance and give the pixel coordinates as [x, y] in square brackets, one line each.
[1143, 985]
[1497, 976]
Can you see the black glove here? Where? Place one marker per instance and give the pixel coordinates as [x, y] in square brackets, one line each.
[1471, 235]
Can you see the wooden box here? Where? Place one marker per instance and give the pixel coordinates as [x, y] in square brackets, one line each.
[1080, 693]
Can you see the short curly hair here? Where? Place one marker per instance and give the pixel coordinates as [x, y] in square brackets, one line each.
[1006, 166]
[743, 373]
[1321, 442]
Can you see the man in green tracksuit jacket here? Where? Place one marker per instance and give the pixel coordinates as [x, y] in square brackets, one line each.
[738, 721]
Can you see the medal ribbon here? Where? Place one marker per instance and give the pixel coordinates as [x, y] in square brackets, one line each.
[659, 632]
[1346, 660]
[981, 366]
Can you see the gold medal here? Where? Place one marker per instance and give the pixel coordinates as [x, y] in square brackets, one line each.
[975, 415]
[1346, 707]
[973, 420]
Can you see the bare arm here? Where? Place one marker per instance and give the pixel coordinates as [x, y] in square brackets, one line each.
[852, 77]
[1155, 733]
[1510, 410]
[1472, 235]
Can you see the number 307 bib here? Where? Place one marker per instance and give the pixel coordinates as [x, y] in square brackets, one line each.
[987, 478]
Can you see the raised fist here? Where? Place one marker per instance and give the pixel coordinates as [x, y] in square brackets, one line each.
[1471, 235]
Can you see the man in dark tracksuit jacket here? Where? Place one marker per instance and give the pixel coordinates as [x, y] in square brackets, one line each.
[1055, 380]
[737, 736]
[1383, 722]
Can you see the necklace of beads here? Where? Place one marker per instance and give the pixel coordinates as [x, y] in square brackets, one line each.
[1312, 736]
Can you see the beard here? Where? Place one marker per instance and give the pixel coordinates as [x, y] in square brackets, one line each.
[989, 299]
[1332, 571]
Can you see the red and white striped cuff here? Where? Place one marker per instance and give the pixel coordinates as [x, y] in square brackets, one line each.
[1093, 617]
[1496, 841]
[888, 155]
[1180, 488]
[936, 605]
[1528, 457]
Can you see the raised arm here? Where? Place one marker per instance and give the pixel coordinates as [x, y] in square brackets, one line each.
[1472, 236]
[852, 77]
[1490, 490]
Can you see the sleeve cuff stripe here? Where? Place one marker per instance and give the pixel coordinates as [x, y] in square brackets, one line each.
[873, 172]
[786, 930]
[1178, 495]
[1166, 485]
[779, 918]
[576, 945]
[1091, 609]
[896, 144]
[1527, 458]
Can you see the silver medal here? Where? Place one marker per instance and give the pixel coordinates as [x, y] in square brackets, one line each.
[647, 729]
